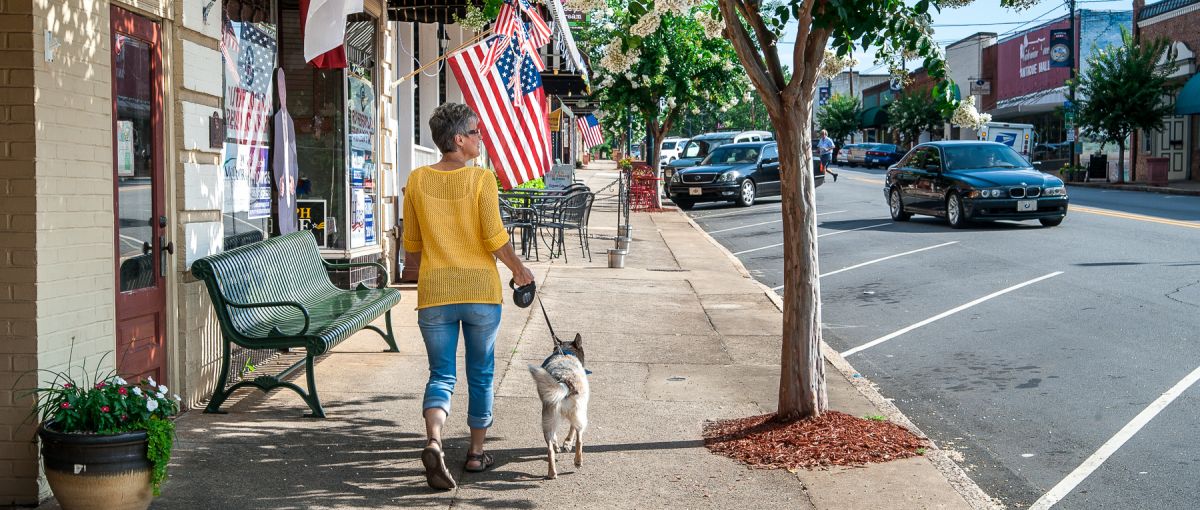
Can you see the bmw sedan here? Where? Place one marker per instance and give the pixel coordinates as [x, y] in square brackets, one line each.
[738, 173]
[965, 181]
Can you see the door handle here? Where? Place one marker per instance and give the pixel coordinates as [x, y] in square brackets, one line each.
[146, 247]
[167, 247]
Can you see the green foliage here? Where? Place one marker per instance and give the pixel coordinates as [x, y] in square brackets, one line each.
[1124, 89]
[913, 114]
[839, 116]
[876, 417]
[106, 405]
[160, 434]
[538, 183]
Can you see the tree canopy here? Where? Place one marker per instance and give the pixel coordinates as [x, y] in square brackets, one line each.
[840, 117]
[914, 113]
[1124, 90]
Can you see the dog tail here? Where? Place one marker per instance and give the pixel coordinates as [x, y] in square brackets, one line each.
[549, 389]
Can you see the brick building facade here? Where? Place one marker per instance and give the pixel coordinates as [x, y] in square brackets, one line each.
[1179, 140]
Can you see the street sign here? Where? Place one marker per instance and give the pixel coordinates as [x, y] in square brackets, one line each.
[981, 87]
[823, 96]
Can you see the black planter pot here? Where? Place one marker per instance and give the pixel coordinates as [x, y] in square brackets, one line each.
[90, 471]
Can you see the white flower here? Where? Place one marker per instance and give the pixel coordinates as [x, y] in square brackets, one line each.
[671, 102]
[162, 388]
[137, 391]
[118, 381]
[714, 28]
[161, 395]
[151, 380]
[647, 25]
[176, 397]
[151, 405]
[727, 65]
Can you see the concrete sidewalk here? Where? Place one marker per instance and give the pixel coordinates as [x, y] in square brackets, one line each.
[681, 335]
[1190, 188]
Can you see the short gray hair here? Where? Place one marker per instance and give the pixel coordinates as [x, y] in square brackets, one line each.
[447, 121]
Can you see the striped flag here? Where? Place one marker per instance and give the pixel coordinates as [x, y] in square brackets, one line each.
[508, 29]
[516, 131]
[590, 127]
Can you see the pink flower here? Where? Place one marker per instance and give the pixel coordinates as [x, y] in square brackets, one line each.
[100, 385]
[67, 386]
[122, 391]
[124, 417]
[65, 405]
[105, 409]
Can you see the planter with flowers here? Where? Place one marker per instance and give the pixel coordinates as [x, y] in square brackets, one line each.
[105, 444]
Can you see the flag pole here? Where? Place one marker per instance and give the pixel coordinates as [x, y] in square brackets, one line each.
[453, 52]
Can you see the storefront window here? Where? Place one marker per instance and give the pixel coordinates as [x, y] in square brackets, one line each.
[248, 54]
[335, 116]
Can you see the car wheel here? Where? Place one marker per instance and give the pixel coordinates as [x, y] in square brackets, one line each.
[897, 207]
[1051, 222]
[686, 205]
[746, 198]
[955, 214]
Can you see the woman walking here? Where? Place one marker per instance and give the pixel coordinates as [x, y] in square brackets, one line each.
[452, 221]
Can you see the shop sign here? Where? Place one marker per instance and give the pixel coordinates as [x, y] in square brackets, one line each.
[559, 176]
[360, 159]
[556, 120]
[1060, 48]
[823, 95]
[310, 215]
[981, 88]
[576, 19]
[248, 51]
[1023, 63]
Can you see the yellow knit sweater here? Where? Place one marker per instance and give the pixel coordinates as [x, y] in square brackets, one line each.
[453, 219]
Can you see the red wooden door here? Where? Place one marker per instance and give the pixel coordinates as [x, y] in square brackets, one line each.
[138, 198]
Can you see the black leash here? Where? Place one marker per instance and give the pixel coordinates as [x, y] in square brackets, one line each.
[548, 325]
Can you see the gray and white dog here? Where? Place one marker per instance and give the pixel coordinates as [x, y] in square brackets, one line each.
[562, 384]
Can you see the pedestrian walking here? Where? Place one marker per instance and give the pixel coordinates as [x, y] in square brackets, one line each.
[825, 147]
[452, 223]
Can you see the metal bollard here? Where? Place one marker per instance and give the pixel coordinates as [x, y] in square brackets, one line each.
[616, 258]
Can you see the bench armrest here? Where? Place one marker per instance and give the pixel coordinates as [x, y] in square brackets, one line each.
[386, 276]
[274, 331]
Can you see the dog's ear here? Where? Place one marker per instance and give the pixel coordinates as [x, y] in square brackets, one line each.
[578, 341]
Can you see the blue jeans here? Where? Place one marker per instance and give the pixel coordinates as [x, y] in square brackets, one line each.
[439, 327]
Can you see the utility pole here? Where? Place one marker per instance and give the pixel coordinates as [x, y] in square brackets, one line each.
[1071, 89]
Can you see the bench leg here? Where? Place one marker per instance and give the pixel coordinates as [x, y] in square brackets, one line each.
[314, 402]
[219, 394]
[389, 337]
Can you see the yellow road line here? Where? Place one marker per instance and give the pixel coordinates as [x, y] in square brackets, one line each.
[1136, 217]
[863, 179]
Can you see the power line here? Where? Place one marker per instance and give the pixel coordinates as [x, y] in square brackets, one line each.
[983, 24]
[1043, 15]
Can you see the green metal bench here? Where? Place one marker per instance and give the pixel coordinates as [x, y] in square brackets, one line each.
[277, 294]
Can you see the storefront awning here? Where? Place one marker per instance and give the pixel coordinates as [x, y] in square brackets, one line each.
[429, 11]
[874, 116]
[1188, 100]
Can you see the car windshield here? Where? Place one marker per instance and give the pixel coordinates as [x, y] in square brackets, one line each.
[983, 157]
[669, 146]
[729, 155]
[885, 147]
[701, 148]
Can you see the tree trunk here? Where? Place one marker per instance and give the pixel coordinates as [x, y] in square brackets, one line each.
[802, 378]
[655, 147]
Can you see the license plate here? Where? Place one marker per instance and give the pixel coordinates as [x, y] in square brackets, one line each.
[695, 191]
[1026, 205]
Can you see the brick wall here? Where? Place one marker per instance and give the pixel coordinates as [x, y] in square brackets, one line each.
[18, 291]
[1180, 28]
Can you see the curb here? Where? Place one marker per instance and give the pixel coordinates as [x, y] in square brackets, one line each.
[1136, 187]
[954, 474]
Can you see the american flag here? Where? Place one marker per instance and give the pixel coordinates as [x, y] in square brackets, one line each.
[509, 30]
[515, 132]
[590, 127]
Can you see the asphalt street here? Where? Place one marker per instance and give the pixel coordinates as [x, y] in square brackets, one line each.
[1058, 361]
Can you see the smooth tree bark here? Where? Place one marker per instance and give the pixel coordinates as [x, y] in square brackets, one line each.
[802, 392]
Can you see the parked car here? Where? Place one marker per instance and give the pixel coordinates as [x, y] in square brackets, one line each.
[739, 173]
[670, 150]
[841, 155]
[965, 181]
[856, 153]
[700, 146]
[881, 154]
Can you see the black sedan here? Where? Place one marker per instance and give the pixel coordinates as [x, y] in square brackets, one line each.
[965, 181]
[739, 173]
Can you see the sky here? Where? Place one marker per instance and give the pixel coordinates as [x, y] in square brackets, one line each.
[951, 25]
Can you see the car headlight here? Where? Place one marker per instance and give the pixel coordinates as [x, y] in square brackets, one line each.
[984, 193]
[728, 177]
[1056, 191]
[676, 177]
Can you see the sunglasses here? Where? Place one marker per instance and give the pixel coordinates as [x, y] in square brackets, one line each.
[472, 132]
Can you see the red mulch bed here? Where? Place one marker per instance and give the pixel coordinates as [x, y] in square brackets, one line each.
[833, 439]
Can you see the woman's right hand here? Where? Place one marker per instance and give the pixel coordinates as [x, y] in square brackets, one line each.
[523, 276]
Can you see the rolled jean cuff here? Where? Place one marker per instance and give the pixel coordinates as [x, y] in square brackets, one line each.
[477, 422]
[431, 403]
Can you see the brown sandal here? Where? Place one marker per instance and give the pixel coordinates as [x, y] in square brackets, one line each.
[484, 459]
[435, 467]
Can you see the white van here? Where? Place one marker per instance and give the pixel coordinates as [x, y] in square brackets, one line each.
[671, 149]
[1017, 136]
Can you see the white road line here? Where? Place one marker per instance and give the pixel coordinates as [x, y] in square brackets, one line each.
[822, 235]
[731, 213]
[945, 314]
[856, 266]
[765, 223]
[1110, 447]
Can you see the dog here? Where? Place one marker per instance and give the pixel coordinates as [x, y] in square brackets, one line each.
[562, 385]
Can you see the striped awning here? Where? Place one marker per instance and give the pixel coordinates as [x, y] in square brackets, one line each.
[429, 11]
